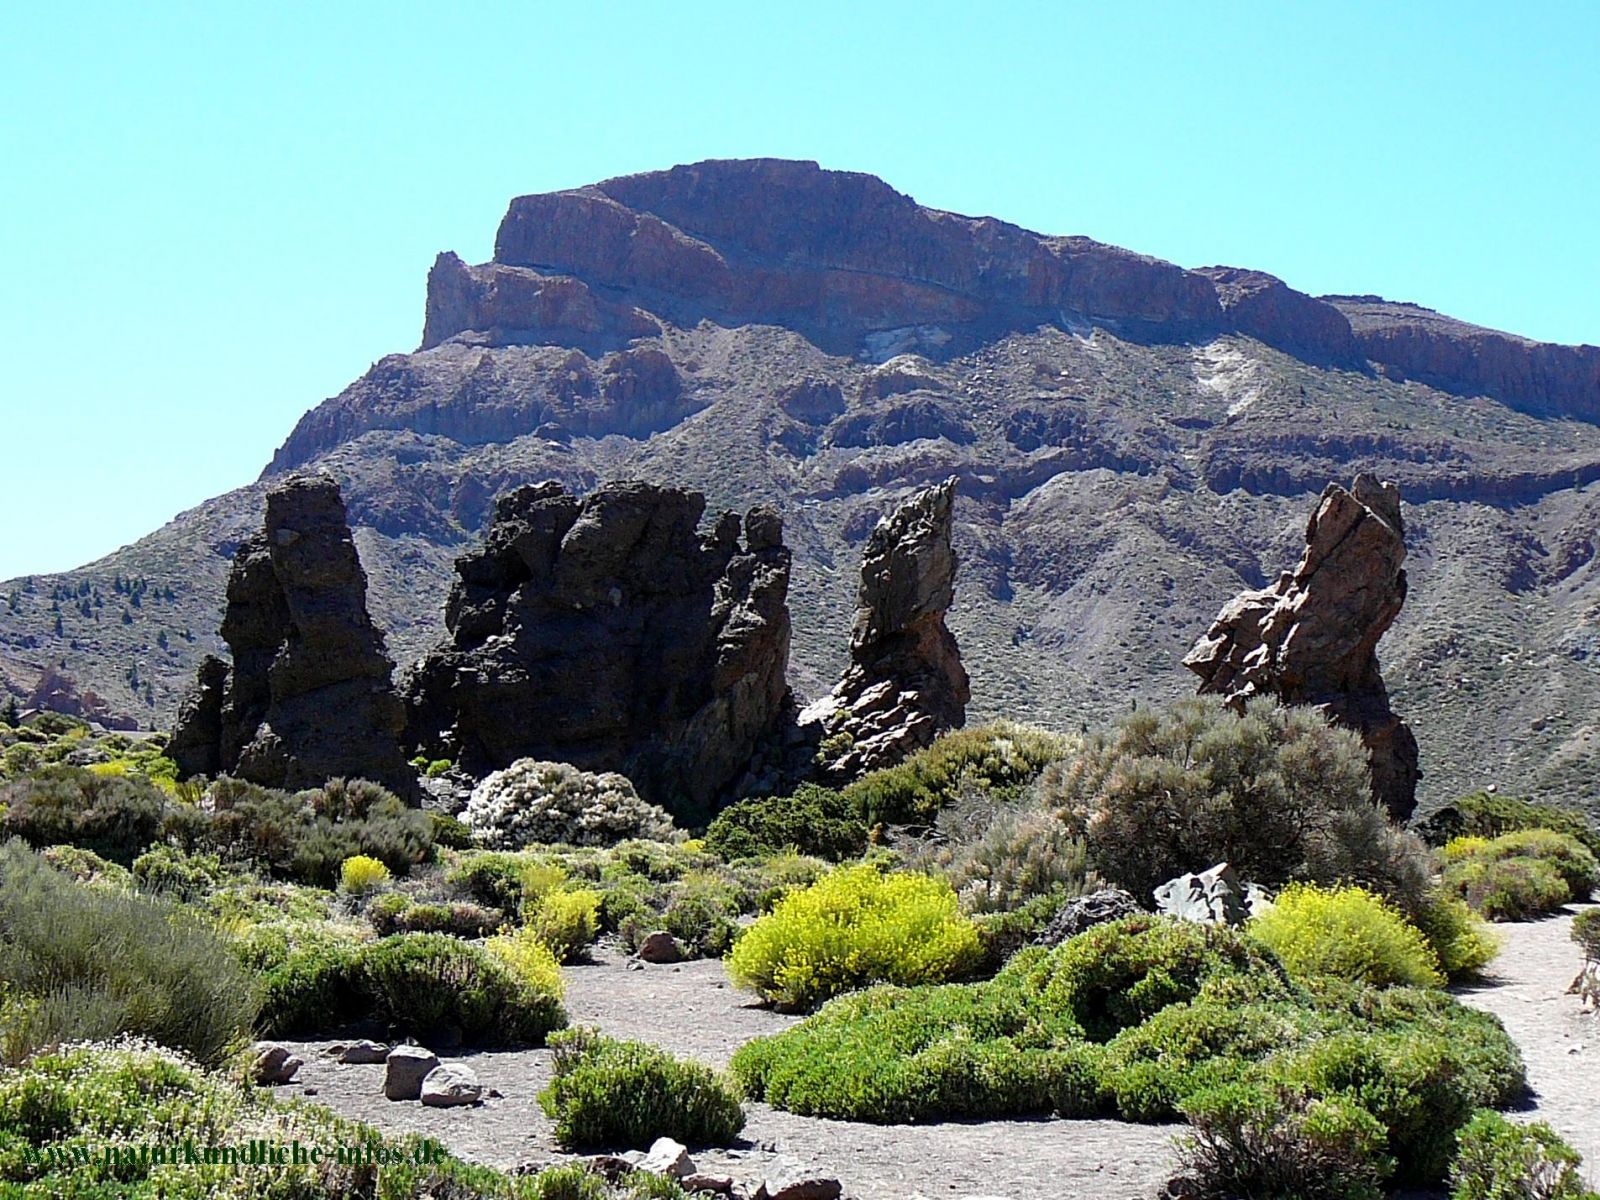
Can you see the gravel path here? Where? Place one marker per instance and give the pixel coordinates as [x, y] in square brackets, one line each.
[692, 1010]
[1526, 987]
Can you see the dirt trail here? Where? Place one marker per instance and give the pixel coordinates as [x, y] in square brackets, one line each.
[691, 1010]
[1526, 987]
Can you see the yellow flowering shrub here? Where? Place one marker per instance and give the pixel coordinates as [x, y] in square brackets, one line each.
[1347, 933]
[360, 874]
[855, 926]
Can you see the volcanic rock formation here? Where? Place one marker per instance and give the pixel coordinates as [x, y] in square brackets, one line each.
[905, 684]
[611, 634]
[1312, 637]
[308, 697]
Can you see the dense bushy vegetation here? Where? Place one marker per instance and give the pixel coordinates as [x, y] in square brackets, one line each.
[813, 820]
[1488, 815]
[614, 1093]
[1522, 874]
[90, 962]
[856, 925]
[60, 1111]
[1311, 1052]
[1000, 759]
[1277, 793]
[1141, 1018]
[1500, 1160]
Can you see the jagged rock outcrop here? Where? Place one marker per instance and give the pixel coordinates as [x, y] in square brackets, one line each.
[905, 684]
[1312, 637]
[308, 697]
[610, 633]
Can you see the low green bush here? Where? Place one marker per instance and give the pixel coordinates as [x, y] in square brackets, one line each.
[856, 925]
[814, 820]
[313, 988]
[428, 983]
[168, 871]
[1001, 759]
[115, 816]
[1586, 932]
[1569, 857]
[1266, 1143]
[999, 855]
[1460, 939]
[1486, 815]
[397, 913]
[614, 1093]
[1348, 933]
[86, 866]
[1143, 1017]
[91, 963]
[1497, 1159]
[1508, 889]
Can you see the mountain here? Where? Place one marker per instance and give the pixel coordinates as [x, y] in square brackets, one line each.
[1135, 443]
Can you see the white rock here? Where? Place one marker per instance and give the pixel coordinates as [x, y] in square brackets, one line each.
[450, 1086]
[364, 1052]
[667, 1157]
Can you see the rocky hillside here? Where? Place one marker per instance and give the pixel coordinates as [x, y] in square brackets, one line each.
[1135, 443]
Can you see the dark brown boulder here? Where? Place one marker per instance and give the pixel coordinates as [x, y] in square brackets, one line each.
[611, 633]
[1312, 637]
[308, 697]
[905, 684]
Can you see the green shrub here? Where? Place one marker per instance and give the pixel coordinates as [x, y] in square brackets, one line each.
[1482, 814]
[1586, 932]
[1278, 793]
[314, 988]
[893, 1054]
[449, 832]
[1497, 1159]
[307, 836]
[397, 913]
[491, 878]
[701, 911]
[86, 866]
[1508, 889]
[168, 871]
[1463, 943]
[567, 922]
[426, 983]
[854, 926]
[814, 820]
[1119, 974]
[115, 816]
[999, 855]
[360, 874]
[85, 963]
[1348, 933]
[608, 1092]
[1569, 857]
[1268, 1144]
[1001, 759]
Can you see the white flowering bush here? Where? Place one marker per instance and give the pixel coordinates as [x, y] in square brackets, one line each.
[542, 802]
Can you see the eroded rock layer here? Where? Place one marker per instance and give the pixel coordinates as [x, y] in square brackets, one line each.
[1312, 637]
[308, 697]
[612, 633]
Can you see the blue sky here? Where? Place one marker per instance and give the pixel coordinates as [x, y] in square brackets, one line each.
[216, 215]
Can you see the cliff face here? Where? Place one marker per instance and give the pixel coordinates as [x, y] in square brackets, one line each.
[1133, 440]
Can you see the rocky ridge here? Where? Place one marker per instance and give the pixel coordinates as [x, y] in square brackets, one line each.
[1132, 440]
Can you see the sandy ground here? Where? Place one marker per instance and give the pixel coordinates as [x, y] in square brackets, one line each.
[691, 1010]
[1526, 987]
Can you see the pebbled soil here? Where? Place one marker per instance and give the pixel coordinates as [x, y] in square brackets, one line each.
[691, 1010]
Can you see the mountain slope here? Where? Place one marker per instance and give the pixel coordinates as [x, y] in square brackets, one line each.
[1136, 442]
